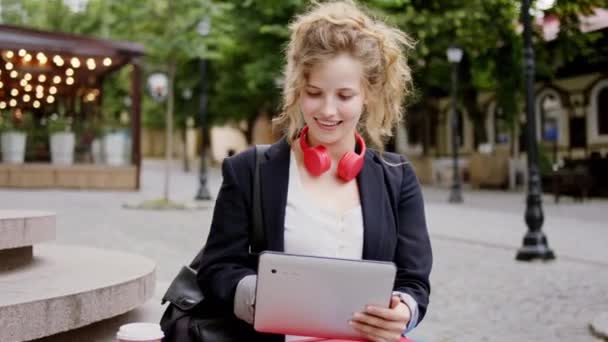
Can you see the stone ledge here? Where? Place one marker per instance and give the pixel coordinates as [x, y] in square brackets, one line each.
[76, 176]
[25, 228]
[68, 287]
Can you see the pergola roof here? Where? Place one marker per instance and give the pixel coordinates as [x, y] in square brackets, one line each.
[14, 37]
[56, 63]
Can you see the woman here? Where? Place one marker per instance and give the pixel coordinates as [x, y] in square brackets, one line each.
[323, 193]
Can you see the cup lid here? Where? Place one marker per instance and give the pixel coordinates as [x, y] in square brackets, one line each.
[140, 332]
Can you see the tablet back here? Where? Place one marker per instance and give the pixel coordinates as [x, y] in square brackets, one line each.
[316, 296]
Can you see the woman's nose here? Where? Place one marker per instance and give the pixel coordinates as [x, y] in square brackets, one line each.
[329, 107]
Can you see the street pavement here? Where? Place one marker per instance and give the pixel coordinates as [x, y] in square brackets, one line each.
[480, 293]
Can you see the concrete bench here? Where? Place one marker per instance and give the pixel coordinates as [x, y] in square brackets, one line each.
[57, 288]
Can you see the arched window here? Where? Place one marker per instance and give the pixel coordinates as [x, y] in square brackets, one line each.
[551, 118]
[598, 114]
[602, 111]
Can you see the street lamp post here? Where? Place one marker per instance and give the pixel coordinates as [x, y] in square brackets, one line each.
[454, 57]
[535, 246]
[203, 28]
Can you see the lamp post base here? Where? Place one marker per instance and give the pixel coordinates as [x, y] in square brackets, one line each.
[535, 248]
[203, 194]
[455, 195]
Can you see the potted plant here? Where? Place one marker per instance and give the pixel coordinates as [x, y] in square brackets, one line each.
[115, 143]
[62, 139]
[13, 137]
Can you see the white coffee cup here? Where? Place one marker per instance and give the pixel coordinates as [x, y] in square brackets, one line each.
[140, 332]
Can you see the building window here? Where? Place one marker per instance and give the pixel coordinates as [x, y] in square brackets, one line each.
[602, 112]
[550, 111]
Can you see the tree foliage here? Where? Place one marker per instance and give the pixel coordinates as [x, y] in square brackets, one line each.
[247, 38]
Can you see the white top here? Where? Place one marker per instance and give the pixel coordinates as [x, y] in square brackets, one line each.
[314, 230]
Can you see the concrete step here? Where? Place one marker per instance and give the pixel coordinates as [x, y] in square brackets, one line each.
[19, 231]
[68, 287]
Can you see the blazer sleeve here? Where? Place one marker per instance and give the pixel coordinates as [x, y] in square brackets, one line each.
[413, 255]
[226, 258]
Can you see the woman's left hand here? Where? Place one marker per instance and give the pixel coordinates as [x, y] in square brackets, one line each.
[382, 324]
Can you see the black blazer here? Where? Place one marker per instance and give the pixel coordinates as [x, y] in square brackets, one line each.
[393, 219]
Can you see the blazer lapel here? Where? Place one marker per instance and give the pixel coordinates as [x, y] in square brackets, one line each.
[371, 190]
[274, 180]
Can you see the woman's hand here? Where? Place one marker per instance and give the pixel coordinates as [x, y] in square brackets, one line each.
[382, 324]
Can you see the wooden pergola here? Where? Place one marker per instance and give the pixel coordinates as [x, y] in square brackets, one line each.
[39, 69]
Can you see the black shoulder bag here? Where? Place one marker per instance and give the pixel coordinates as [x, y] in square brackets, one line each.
[188, 318]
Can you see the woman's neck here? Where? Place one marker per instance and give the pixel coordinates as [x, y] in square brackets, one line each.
[338, 149]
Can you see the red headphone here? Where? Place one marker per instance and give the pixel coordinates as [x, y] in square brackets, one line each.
[317, 160]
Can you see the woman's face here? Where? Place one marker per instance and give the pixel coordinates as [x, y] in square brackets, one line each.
[332, 101]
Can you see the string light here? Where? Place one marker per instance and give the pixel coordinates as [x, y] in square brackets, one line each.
[58, 60]
[57, 79]
[2, 104]
[26, 98]
[14, 74]
[1, 84]
[41, 78]
[107, 61]
[36, 104]
[69, 72]
[53, 90]
[69, 80]
[41, 58]
[9, 54]
[22, 52]
[39, 89]
[23, 82]
[14, 92]
[8, 65]
[91, 64]
[28, 88]
[27, 57]
[50, 99]
[39, 95]
[12, 102]
[75, 62]
[28, 76]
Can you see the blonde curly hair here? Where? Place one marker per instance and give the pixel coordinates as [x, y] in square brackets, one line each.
[335, 27]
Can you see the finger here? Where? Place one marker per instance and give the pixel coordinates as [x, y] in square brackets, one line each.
[373, 333]
[395, 301]
[389, 314]
[395, 326]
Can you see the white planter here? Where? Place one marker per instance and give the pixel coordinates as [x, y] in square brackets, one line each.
[114, 148]
[62, 148]
[97, 151]
[13, 147]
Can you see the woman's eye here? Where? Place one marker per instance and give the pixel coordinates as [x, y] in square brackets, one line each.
[345, 97]
[311, 94]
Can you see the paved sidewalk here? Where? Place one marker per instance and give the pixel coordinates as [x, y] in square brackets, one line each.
[480, 293]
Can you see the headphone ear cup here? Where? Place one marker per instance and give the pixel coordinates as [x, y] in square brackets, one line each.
[350, 165]
[316, 160]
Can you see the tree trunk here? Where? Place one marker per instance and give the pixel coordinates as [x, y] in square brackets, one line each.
[186, 160]
[169, 128]
[470, 97]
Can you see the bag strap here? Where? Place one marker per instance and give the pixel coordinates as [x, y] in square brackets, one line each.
[257, 241]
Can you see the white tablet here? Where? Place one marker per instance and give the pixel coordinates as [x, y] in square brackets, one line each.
[316, 296]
